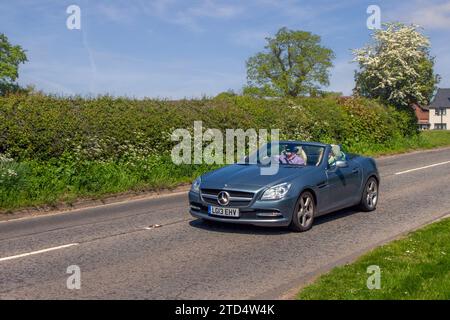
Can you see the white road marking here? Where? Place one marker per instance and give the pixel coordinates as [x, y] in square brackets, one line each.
[421, 168]
[105, 205]
[37, 252]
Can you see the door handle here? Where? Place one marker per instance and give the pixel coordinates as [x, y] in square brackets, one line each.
[355, 170]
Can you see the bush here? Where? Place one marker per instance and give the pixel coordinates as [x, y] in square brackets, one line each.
[60, 149]
[39, 127]
[12, 177]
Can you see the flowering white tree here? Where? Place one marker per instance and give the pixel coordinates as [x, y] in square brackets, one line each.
[396, 67]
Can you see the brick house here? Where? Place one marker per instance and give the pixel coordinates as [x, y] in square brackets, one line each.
[440, 110]
[423, 116]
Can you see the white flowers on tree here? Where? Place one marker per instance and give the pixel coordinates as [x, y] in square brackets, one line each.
[397, 66]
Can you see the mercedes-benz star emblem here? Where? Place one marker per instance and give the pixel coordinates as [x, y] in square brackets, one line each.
[223, 198]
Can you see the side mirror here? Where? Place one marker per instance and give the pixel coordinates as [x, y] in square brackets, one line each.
[341, 164]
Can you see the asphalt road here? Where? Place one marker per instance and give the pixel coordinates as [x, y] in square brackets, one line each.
[120, 257]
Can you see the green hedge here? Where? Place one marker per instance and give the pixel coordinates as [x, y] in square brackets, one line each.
[55, 149]
[39, 127]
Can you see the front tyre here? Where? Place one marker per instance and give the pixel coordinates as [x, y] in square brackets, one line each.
[304, 212]
[369, 198]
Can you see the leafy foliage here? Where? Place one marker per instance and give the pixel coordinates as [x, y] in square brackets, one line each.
[40, 127]
[396, 67]
[57, 149]
[294, 64]
[10, 58]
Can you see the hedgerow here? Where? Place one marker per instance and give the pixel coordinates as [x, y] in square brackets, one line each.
[41, 127]
[56, 149]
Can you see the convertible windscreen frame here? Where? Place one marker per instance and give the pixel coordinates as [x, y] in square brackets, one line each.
[266, 149]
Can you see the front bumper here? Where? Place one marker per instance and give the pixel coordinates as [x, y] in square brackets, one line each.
[257, 213]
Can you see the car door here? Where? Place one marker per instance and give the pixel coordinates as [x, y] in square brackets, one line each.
[343, 185]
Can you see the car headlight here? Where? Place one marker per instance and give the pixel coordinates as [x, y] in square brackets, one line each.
[276, 192]
[196, 185]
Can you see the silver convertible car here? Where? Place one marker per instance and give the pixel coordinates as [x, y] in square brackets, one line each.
[311, 179]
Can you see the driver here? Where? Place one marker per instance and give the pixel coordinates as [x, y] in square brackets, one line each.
[290, 156]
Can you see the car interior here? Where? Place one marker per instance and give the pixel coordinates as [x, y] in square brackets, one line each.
[312, 155]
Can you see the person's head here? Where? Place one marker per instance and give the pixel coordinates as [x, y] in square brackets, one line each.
[335, 150]
[291, 150]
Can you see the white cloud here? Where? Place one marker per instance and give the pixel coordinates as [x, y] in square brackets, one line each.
[304, 11]
[432, 16]
[250, 38]
[213, 9]
[117, 13]
[131, 77]
[176, 11]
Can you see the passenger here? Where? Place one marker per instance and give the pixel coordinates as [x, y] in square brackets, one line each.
[290, 156]
[335, 155]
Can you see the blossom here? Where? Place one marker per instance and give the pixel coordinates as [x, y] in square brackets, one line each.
[394, 66]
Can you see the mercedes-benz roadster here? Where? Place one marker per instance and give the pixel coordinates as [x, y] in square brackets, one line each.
[311, 179]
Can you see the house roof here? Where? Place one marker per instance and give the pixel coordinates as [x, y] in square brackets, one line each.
[424, 108]
[441, 99]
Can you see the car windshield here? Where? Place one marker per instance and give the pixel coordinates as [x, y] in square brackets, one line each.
[288, 153]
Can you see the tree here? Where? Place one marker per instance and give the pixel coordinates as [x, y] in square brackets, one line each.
[397, 67]
[293, 64]
[226, 94]
[10, 58]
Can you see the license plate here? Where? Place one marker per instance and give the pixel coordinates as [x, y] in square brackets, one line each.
[222, 211]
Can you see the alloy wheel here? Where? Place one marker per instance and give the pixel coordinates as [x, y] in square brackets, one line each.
[372, 193]
[306, 210]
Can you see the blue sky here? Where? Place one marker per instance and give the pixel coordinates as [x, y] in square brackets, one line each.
[187, 48]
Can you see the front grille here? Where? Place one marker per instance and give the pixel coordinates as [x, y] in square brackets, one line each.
[232, 193]
[237, 198]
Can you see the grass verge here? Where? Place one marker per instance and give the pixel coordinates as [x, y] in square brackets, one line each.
[66, 179]
[425, 140]
[35, 183]
[415, 267]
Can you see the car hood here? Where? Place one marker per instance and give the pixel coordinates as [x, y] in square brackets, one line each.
[249, 177]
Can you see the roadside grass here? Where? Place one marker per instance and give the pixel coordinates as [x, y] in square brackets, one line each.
[423, 141]
[36, 183]
[436, 138]
[416, 267]
[50, 183]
